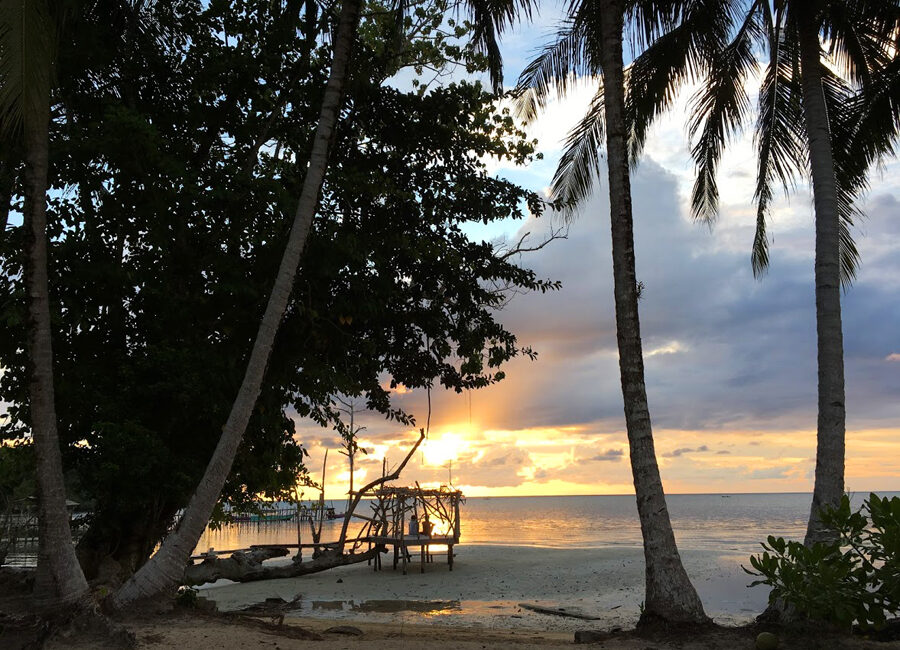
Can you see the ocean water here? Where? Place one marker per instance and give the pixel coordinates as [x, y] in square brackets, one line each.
[715, 522]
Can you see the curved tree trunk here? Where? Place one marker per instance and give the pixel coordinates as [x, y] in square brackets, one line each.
[829, 486]
[59, 577]
[670, 596]
[164, 571]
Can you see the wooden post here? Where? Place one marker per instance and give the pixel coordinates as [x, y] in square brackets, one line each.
[403, 550]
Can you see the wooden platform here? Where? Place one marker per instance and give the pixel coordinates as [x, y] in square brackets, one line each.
[403, 544]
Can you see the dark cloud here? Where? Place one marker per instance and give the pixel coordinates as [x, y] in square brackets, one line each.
[746, 354]
[614, 455]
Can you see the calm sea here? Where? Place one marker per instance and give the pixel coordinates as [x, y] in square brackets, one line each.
[720, 522]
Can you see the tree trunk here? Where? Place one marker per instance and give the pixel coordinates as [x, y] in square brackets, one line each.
[249, 567]
[7, 181]
[670, 596]
[165, 569]
[829, 485]
[118, 543]
[59, 578]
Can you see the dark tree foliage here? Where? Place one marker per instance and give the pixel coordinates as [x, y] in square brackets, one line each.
[175, 165]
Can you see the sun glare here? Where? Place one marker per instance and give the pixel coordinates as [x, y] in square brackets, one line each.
[440, 451]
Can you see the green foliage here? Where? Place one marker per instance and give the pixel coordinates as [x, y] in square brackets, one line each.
[27, 30]
[175, 173]
[186, 598]
[17, 480]
[853, 580]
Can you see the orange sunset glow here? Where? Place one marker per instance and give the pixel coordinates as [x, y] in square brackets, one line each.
[577, 460]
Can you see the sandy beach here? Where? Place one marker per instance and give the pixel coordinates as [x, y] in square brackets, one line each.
[481, 604]
[489, 585]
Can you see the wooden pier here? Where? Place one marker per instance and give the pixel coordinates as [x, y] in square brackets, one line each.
[407, 518]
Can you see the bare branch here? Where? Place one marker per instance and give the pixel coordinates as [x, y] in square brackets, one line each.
[561, 232]
[394, 475]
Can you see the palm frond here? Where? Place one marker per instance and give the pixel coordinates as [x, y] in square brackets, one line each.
[489, 19]
[27, 37]
[780, 137]
[860, 36]
[874, 133]
[578, 166]
[676, 57]
[720, 108]
[553, 71]
[654, 80]
[851, 172]
[648, 20]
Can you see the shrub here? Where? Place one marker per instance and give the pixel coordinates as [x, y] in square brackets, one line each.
[855, 579]
[186, 597]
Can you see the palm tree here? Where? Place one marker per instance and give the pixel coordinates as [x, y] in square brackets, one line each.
[27, 31]
[591, 44]
[820, 55]
[165, 569]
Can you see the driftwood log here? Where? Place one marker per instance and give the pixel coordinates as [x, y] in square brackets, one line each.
[248, 567]
[558, 611]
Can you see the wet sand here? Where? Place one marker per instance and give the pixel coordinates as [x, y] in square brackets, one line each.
[489, 584]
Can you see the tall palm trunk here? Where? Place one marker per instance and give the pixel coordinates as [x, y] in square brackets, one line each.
[59, 576]
[7, 181]
[829, 485]
[669, 593]
[164, 571]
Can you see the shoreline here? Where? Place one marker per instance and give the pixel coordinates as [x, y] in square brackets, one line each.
[490, 583]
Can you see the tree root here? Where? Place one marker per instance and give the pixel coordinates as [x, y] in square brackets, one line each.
[81, 623]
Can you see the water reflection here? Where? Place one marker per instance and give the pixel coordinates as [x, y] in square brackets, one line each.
[701, 521]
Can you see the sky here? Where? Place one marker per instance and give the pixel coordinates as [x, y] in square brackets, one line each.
[730, 360]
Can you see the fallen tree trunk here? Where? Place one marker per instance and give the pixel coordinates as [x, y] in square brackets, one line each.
[248, 567]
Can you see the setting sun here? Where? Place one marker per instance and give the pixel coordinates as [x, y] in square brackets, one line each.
[442, 450]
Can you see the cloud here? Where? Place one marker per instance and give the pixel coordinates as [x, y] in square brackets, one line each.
[614, 455]
[669, 348]
[768, 473]
[729, 359]
[685, 450]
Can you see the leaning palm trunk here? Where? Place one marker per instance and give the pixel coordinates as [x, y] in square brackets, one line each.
[829, 484]
[59, 577]
[164, 571]
[670, 596]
